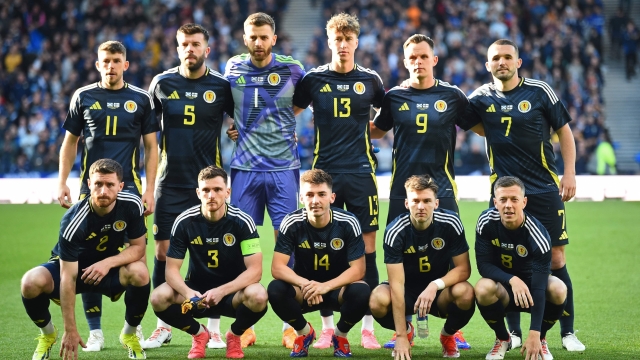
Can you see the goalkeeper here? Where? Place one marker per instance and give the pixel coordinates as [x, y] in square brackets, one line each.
[225, 268]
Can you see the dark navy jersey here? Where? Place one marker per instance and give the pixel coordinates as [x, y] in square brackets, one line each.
[88, 238]
[321, 254]
[425, 255]
[341, 112]
[192, 115]
[112, 122]
[518, 125]
[424, 129]
[525, 252]
[216, 249]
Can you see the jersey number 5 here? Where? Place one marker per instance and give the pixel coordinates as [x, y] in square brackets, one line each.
[346, 104]
[189, 110]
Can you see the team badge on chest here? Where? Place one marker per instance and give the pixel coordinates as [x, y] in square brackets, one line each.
[437, 243]
[522, 251]
[119, 225]
[440, 106]
[274, 79]
[359, 88]
[337, 244]
[524, 106]
[229, 239]
[130, 106]
[209, 96]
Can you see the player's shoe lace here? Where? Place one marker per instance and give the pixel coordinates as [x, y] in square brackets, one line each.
[248, 338]
[95, 342]
[45, 342]
[516, 340]
[302, 342]
[449, 346]
[132, 344]
[500, 348]
[215, 341]
[288, 337]
[199, 344]
[325, 340]
[461, 343]
[546, 355]
[234, 346]
[368, 340]
[571, 343]
[158, 337]
[341, 346]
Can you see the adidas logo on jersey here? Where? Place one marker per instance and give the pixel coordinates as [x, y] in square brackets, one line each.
[326, 88]
[410, 250]
[374, 222]
[96, 106]
[174, 95]
[564, 236]
[94, 309]
[197, 241]
[404, 107]
[491, 108]
[305, 245]
[240, 80]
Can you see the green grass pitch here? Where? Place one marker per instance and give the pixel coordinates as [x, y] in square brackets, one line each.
[602, 258]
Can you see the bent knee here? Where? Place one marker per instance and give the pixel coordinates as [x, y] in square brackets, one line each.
[556, 290]
[256, 297]
[35, 282]
[380, 300]
[137, 273]
[162, 297]
[463, 294]
[558, 258]
[485, 288]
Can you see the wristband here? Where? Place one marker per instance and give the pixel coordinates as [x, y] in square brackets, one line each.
[439, 283]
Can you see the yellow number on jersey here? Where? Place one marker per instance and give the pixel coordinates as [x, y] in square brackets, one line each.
[373, 205]
[214, 257]
[561, 213]
[115, 124]
[346, 103]
[324, 261]
[189, 110]
[101, 246]
[508, 120]
[421, 121]
[507, 261]
[424, 264]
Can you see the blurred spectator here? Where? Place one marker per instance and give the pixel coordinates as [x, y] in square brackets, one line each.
[605, 156]
[630, 38]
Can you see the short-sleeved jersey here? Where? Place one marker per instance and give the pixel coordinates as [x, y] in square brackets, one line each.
[112, 122]
[425, 255]
[216, 249]
[263, 113]
[505, 252]
[321, 254]
[517, 125]
[341, 113]
[424, 128]
[192, 116]
[88, 238]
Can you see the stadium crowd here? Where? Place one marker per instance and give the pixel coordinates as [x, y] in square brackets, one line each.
[47, 50]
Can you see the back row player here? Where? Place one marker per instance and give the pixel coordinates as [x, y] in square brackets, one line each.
[191, 99]
[112, 115]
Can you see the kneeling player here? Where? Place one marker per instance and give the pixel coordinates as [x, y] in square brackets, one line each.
[225, 268]
[513, 253]
[91, 232]
[329, 266]
[419, 246]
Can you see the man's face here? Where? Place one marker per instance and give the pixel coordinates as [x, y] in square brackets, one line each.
[342, 44]
[510, 202]
[317, 199]
[502, 62]
[192, 50]
[421, 204]
[259, 40]
[104, 188]
[111, 66]
[213, 193]
[419, 60]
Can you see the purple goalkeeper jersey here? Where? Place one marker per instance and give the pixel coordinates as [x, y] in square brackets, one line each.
[263, 113]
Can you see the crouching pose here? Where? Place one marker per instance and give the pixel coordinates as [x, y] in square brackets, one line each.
[225, 267]
[513, 253]
[419, 246]
[329, 266]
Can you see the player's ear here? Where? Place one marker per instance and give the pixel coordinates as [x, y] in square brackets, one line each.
[495, 202]
[97, 65]
[120, 186]
[207, 51]
[524, 202]
[406, 203]
[126, 65]
[244, 39]
[333, 197]
[486, 66]
[437, 203]
[228, 193]
[519, 63]
[357, 43]
[435, 60]
[275, 38]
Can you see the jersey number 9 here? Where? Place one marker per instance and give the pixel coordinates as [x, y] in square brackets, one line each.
[421, 121]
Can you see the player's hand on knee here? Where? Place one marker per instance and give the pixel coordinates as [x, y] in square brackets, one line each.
[425, 300]
[521, 294]
[69, 345]
[64, 196]
[93, 274]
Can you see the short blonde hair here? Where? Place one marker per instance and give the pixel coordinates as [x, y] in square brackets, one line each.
[344, 23]
[421, 182]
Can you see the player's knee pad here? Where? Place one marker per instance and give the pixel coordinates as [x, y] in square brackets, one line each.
[357, 293]
[279, 290]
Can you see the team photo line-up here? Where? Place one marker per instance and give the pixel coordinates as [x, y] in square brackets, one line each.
[324, 257]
